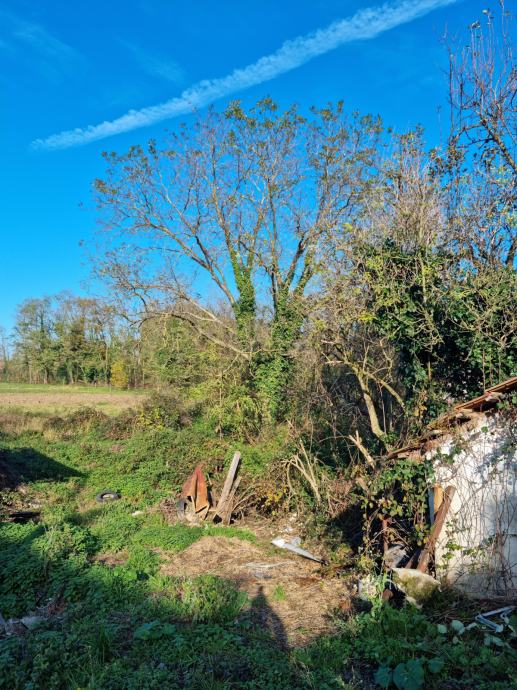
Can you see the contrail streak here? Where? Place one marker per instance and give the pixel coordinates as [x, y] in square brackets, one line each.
[365, 24]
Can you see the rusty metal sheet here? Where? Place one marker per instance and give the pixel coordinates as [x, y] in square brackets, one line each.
[195, 491]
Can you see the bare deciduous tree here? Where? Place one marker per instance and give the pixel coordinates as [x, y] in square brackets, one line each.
[239, 204]
[482, 155]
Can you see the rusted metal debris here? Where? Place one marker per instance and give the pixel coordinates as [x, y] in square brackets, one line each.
[420, 559]
[461, 414]
[490, 397]
[194, 502]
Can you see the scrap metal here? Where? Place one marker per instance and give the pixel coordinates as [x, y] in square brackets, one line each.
[194, 497]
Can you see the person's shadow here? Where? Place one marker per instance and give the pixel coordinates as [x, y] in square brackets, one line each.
[268, 619]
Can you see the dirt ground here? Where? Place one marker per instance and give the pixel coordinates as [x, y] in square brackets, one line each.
[59, 403]
[287, 594]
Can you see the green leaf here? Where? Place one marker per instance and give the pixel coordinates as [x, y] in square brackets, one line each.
[383, 676]
[442, 629]
[409, 676]
[147, 631]
[168, 629]
[436, 664]
[457, 626]
[154, 630]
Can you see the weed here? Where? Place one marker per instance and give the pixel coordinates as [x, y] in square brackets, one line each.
[279, 593]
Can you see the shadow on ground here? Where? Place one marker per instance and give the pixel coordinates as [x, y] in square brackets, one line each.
[25, 465]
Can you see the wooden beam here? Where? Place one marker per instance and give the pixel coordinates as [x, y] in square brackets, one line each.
[228, 509]
[440, 515]
[228, 484]
[437, 500]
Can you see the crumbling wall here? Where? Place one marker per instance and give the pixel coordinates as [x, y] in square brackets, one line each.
[477, 549]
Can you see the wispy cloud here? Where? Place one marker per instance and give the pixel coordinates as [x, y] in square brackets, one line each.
[365, 24]
[157, 66]
[37, 46]
[40, 40]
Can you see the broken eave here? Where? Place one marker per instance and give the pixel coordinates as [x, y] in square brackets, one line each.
[462, 415]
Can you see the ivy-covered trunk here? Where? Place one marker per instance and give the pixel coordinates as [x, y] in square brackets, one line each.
[245, 306]
[273, 368]
[270, 365]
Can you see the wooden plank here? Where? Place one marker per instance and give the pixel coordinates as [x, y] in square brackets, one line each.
[228, 509]
[438, 500]
[413, 560]
[228, 483]
[440, 515]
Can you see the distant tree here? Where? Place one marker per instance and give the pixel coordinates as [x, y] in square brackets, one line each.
[83, 339]
[5, 353]
[65, 338]
[119, 377]
[33, 337]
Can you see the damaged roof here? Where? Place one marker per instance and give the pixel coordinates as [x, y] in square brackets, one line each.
[490, 397]
[461, 414]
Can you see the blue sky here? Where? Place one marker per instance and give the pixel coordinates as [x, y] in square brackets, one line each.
[68, 66]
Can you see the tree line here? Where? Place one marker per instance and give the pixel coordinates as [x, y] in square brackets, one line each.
[66, 339]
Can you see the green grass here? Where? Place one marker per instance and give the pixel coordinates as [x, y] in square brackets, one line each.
[126, 626]
[279, 593]
[62, 389]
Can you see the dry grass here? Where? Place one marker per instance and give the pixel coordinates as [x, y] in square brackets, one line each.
[17, 421]
[288, 595]
[59, 400]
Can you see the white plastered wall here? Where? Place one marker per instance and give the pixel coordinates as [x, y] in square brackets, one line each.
[477, 548]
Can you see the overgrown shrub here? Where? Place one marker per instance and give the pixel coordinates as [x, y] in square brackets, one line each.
[158, 411]
[162, 411]
[80, 421]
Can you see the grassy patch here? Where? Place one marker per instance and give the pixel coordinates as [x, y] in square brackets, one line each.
[279, 593]
[117, 623]
[403, 649]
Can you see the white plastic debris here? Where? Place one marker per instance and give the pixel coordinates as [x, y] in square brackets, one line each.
[294, 548]
[31, 622]
[483, 618]
[367, 587]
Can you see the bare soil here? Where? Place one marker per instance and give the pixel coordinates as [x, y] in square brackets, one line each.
[59, 403]
[287, 594]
